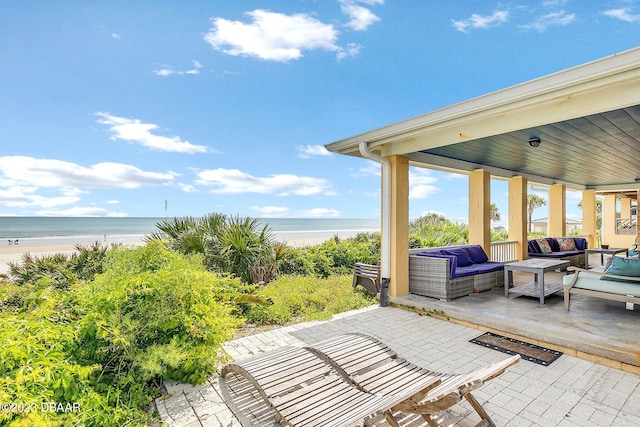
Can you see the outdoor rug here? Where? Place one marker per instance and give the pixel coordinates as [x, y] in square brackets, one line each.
[531, 352]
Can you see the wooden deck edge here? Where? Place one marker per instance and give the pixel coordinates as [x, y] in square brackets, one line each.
[601, 360]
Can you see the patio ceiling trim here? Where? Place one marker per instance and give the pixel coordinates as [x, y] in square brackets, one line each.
[603, 85]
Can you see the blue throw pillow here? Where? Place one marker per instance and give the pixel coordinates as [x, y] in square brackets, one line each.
[623, 267]
[476, 253]
[461, 254]
[553, 244]
[533, 247]
[581, 243]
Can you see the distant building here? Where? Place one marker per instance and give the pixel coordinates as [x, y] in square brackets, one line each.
[540, 224]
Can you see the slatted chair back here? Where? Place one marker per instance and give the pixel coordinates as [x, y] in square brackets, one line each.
[305, 391]
[376, 368]
[367, 276]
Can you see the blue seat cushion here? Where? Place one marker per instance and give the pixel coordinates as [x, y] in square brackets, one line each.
[462, 255]
[476, 253]
[471, 270]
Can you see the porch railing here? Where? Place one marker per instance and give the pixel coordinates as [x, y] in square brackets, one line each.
[504, 251]
[626, 226]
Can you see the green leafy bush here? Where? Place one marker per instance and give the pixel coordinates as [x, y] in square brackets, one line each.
[299, 298]
[38, 375]
[434, 230]
[334, 256]
[100, 348]
[155, 314]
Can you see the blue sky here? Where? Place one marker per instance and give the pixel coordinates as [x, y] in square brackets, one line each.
[111, 108]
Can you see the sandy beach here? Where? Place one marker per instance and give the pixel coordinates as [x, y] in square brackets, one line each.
[39, 247]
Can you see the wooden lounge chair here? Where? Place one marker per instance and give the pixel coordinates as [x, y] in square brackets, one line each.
[367, 276]
[304, 390]
[377, 369]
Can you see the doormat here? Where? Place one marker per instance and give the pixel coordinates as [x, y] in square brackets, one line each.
[531, 352]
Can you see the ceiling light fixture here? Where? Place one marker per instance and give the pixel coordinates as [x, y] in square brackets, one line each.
[534, 141]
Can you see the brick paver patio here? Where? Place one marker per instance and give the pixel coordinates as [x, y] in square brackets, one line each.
[571, 392]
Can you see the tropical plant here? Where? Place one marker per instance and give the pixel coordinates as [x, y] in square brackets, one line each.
[533, 202]
[236, 245]
[434, 230]
[245, 248]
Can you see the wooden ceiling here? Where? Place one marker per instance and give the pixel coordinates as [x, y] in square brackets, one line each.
[594, 151]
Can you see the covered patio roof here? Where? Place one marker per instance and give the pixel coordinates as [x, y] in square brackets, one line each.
[587, 119]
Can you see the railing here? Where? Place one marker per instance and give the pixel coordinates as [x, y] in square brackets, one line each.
[504, 251]
[626, 226]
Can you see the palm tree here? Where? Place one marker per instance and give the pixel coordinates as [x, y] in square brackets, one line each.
[241, 246]
[533, 201]
[494, 212]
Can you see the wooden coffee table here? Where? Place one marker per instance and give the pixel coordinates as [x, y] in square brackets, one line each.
[538, 267]
[602, 251]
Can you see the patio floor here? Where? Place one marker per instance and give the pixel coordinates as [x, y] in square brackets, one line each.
[596, 382]
[597, 329]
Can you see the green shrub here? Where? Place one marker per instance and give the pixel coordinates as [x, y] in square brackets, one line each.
[434, 230]
[298, 298]
[334, 256]
[241, 246]
[36, 371]
[154, 314]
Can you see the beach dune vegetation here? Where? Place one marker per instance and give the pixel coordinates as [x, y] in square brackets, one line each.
[236, 245]
[107, 344]
[104, 327]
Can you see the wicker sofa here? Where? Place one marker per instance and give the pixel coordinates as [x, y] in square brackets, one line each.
[452, 272]
[571, 249]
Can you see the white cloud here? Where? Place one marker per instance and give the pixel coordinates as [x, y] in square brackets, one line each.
[133, 130]
[166, 71]
[115, 36]
[451, 176]
[272, 36]
[372, 168]
[81, 211]
[421, 184]
[482, 22]
[22, 197]
[113, 202]
[69, 177]
[541, 23]
[320, 213]
[352, 49]
[622, 14]
[233, 181]
[361, 17]
[271, 211]
[187, 188]
[306, 151]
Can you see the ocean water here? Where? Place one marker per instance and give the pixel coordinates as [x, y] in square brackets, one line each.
[57, 227]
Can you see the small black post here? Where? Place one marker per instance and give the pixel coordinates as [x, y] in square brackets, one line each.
[384, 290]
